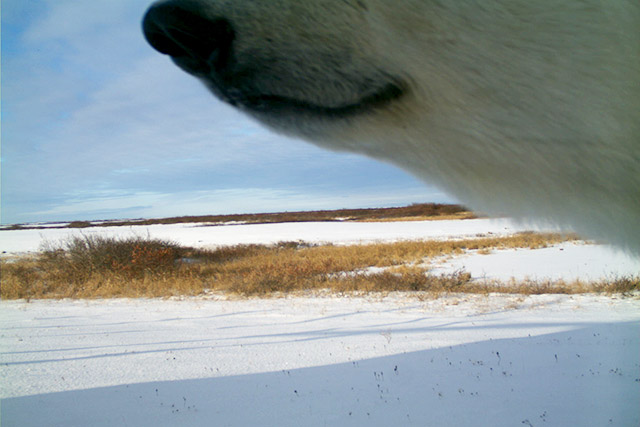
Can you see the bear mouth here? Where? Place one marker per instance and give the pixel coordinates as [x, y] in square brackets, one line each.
[275, 105]
[206, 47]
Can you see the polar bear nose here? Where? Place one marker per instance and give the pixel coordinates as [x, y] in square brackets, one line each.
[181, 33]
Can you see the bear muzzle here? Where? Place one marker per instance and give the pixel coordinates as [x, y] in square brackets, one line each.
[197, 44]
[202, 44]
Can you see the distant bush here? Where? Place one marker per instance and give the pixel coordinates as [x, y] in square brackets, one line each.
[79, 224]
[413, 212]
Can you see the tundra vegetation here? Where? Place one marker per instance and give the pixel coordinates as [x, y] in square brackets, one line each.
[414, 212]
[103, 267]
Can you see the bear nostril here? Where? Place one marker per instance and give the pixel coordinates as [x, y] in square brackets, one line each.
[180, 33]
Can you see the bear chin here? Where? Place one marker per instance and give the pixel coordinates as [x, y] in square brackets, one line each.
[280, 106]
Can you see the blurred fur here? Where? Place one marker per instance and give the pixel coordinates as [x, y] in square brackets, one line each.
[524, 108]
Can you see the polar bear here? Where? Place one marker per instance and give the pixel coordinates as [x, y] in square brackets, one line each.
[517, 107]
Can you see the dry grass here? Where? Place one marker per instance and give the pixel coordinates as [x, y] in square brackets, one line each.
[95, 267]
[433, 217]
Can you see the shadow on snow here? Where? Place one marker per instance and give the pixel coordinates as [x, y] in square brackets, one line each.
[587, 376]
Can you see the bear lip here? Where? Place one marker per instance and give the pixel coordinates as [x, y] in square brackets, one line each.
[277, 105]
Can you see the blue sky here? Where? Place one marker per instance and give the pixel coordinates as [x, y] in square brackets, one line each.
[97, 125]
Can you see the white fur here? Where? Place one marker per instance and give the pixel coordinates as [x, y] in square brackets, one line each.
[529, 108]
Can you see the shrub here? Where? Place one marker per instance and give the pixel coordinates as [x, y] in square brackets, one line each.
[79, 224]
[82, 256]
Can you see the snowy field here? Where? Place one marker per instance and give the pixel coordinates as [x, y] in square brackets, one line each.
[461, 360]
[205, 235]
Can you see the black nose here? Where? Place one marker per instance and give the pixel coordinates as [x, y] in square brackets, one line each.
[186, 34]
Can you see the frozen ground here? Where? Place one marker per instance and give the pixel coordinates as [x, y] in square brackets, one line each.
[458, 361]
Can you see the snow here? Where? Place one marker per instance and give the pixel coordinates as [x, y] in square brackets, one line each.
[568, 261]
[314, 360]
[464, 361]
[206, 235]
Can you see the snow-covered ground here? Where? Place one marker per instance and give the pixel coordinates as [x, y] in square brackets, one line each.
[458, 361]
[204, 235]
[461, 360]
[568, 261]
